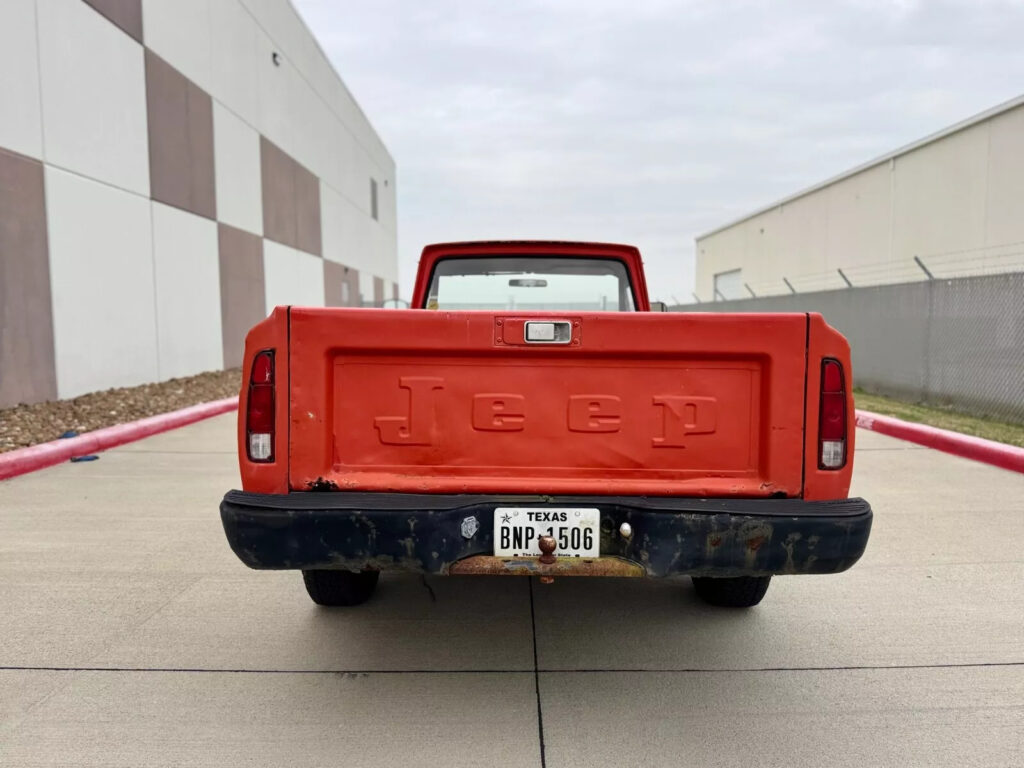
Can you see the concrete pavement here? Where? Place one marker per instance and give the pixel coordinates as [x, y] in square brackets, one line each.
[130, 635]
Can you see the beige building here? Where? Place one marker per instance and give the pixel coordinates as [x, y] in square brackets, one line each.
[954, 200]
[169, 173]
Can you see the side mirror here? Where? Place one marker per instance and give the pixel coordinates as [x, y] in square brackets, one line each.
[659, 306]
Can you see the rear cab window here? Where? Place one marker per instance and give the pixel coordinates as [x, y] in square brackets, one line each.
[528, 283]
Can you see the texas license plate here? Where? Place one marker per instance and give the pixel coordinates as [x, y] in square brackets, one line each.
[576, 531]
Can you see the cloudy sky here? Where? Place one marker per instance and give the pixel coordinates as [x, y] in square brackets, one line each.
[649, 121]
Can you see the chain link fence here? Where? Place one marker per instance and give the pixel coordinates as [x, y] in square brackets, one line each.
[957, 342]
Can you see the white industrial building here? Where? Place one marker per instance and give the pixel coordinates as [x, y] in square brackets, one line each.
[949, 205]
[169, 172]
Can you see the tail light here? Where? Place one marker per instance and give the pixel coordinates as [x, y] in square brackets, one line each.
[259, 414]
[832, 416]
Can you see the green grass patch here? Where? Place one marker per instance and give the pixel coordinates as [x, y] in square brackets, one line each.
[942, 417]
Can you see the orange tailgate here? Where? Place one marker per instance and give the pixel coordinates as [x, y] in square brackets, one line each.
[631, 404]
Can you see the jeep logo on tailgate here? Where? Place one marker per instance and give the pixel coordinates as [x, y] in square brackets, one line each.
[681, 415]
[416, 428]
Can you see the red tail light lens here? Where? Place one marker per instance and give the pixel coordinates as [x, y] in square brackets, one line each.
[832, 416]
[261, 408]
[262, 369]
[259, 414]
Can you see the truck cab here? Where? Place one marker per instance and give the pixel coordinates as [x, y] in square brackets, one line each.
[529, 415]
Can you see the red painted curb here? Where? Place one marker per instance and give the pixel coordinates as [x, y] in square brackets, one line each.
[988, 451]
[24, 460]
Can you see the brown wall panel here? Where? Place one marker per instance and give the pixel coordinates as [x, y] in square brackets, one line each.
[278, 179]
[27, 370]
[291, 200]
[242, 295]
[336, 277]
[307, 211]
[127, 14]
[180, 116]
[166, 112]
[202, 173]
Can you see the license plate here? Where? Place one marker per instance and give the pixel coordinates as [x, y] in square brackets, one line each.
[576, 531]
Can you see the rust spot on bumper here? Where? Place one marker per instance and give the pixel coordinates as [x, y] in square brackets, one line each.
[489, 565]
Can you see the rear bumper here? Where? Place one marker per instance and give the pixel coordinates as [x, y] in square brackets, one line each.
[424, 533]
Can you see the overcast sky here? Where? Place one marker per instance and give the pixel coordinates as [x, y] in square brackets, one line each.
[647, 121]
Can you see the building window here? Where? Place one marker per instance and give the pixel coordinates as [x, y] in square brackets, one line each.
[728, 285]
[373, 198]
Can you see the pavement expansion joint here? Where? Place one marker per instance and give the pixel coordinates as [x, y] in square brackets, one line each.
[536, 678]
[537, 671]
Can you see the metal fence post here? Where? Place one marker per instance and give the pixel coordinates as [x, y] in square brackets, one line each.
[924, 268]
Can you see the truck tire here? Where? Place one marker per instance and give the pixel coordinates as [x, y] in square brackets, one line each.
[735, 592]
[335, 588]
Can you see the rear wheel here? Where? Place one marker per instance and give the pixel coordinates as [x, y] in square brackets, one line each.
[340, 587]
[735, 592]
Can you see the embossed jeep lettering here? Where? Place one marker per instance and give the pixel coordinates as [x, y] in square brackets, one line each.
[682, 415]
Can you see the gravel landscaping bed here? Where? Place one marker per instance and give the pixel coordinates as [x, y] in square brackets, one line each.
[30, 424]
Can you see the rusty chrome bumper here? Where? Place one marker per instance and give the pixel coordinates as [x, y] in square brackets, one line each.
[425, 533]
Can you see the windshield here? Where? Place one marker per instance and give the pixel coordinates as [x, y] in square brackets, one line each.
[531, 283]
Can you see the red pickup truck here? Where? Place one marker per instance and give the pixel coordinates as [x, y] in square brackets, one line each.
[529, 415]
